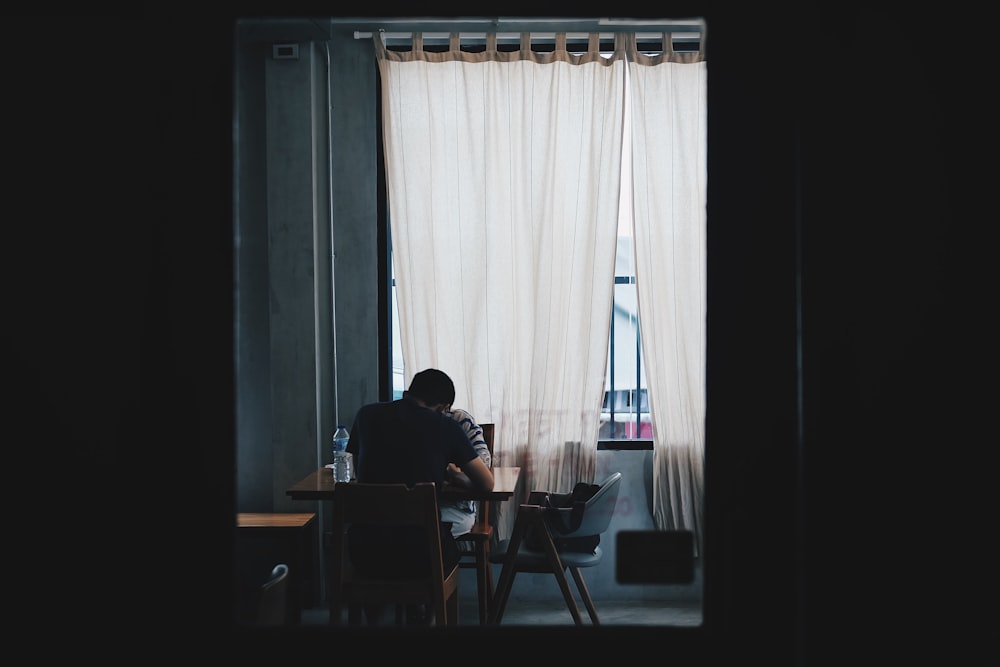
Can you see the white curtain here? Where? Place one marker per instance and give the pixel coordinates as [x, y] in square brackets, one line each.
[503, 175]
[670, 174]
[503, 171]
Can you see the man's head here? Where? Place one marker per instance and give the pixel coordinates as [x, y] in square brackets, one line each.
[433, 388]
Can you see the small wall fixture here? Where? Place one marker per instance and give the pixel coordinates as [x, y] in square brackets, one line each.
[285, 52]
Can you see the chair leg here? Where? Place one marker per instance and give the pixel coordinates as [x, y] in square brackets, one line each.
[507, 573]
[490, 589]
[484, 580]
[488, 571]
[558, 569]
[584, 593]
[354, 613]
[567, 595]
[441, 607]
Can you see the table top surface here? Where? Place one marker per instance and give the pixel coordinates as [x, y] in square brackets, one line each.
[272, 520]
[318, 485]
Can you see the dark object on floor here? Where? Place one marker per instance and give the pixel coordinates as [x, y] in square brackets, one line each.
[272, 598]
[654, 557]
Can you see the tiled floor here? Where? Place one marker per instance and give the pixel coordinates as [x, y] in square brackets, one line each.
[555, 612]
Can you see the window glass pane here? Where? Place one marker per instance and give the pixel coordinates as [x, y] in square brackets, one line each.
[625, 411]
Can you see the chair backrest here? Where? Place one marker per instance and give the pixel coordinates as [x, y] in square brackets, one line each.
[272, 598]
[598, 510]
[357, 504]
[386, 504]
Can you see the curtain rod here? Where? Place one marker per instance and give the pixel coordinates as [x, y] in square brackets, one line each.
[515, 36]
[690, 23]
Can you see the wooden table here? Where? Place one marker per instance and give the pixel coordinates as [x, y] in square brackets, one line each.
[294, 533]
[318, 485]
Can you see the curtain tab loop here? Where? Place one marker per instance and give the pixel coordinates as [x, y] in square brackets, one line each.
[594, 42]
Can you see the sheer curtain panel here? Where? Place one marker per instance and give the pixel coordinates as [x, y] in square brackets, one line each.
[669, 176]
[503, 172]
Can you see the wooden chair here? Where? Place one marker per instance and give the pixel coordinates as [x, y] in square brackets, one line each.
[272, 598]
[477, 543]
[389, 505]
[517, 557]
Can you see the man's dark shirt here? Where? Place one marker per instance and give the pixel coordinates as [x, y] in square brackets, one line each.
[402, 442]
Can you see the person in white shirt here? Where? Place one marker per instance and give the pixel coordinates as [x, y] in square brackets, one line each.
[462, 513]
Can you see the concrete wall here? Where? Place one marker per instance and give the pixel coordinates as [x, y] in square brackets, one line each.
[296, 374]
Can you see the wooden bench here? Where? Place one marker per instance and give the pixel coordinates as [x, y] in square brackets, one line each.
[290, 534]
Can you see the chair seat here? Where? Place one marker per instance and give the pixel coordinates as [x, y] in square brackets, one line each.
[476, 538]
[478, 533]
[529, 560]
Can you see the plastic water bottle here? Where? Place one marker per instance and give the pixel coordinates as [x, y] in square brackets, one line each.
[340, 439]
[343, 466]
[342, 459]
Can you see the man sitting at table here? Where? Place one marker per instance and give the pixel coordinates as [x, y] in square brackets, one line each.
[407, 441]
[462, 513]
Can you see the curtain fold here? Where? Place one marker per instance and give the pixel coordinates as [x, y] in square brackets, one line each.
[503, 174]
[669, 175]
